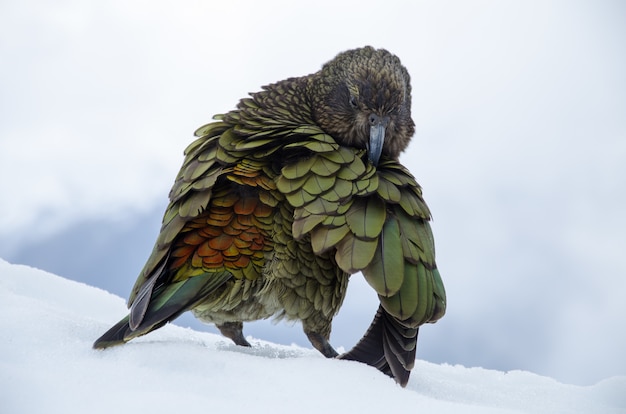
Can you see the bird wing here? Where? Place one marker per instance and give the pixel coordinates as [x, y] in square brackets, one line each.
[375, 220]
[213, 230]
[216, 228]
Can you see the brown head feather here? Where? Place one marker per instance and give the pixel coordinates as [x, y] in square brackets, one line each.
[357, 84]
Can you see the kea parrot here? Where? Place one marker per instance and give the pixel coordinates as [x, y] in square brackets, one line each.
[279, 201]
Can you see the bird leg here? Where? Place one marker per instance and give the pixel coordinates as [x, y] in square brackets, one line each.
[321, 344]
[234, 331]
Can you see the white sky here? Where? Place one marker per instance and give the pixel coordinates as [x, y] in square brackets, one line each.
[520, 145]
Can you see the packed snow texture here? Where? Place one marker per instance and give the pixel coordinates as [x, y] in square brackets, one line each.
[48, 365]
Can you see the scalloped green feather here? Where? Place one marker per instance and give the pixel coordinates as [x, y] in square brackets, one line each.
[366, 217]
[388, 191]
[208, 154]
[341, 156]
[208, 181]
[211, 129]
[424, 293]
[225, 156]
[249, 144]
[410, 250]
[169, 229]
[300, 212]
[306, 130]
[416, 241]
[268, 198]
[321, 137]
[422, 208]
[299, 198]
[403, 303]
[383, 272]
[304, 225]
[352, 171]
[440, 297]
[430, 307]
[399, 177]
[324, 238]
[195, 169]
[391, 177]
[298, 169]
[202, 146]
[315, 146]
[335, 221]
[425, 241]
[263, 153]
[341, 190]
[321, 208]
[317, 184]
[354, 254]
[366, 184]
[324, 167]
[194, 205]
[287, 186]
[405, 203]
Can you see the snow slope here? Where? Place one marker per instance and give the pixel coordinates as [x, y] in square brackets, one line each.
[47, 365]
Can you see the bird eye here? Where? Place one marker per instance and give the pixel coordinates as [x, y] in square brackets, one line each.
[353, 103]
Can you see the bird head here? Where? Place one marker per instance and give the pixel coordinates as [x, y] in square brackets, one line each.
[363, 99]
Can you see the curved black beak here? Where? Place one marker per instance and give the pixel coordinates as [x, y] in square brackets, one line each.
[377, 137]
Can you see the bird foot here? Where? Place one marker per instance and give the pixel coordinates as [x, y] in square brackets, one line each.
[321, 344]
[234, 331]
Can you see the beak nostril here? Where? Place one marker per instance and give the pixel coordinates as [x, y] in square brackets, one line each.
[374, 119]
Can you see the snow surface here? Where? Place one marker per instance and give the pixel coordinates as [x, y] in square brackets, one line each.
[47, 365]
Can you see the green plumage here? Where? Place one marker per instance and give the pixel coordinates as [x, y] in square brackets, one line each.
[279, 201]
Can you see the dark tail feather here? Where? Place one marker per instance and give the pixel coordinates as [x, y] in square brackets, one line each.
[166, 303]
[121, 333]
[388, 346]
[114, 336]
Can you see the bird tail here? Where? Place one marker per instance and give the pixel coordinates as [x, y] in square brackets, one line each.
[387, 345]
[156, 306]
[120, 333]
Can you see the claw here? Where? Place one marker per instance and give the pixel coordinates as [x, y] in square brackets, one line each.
[321, 344]
[234, 331]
